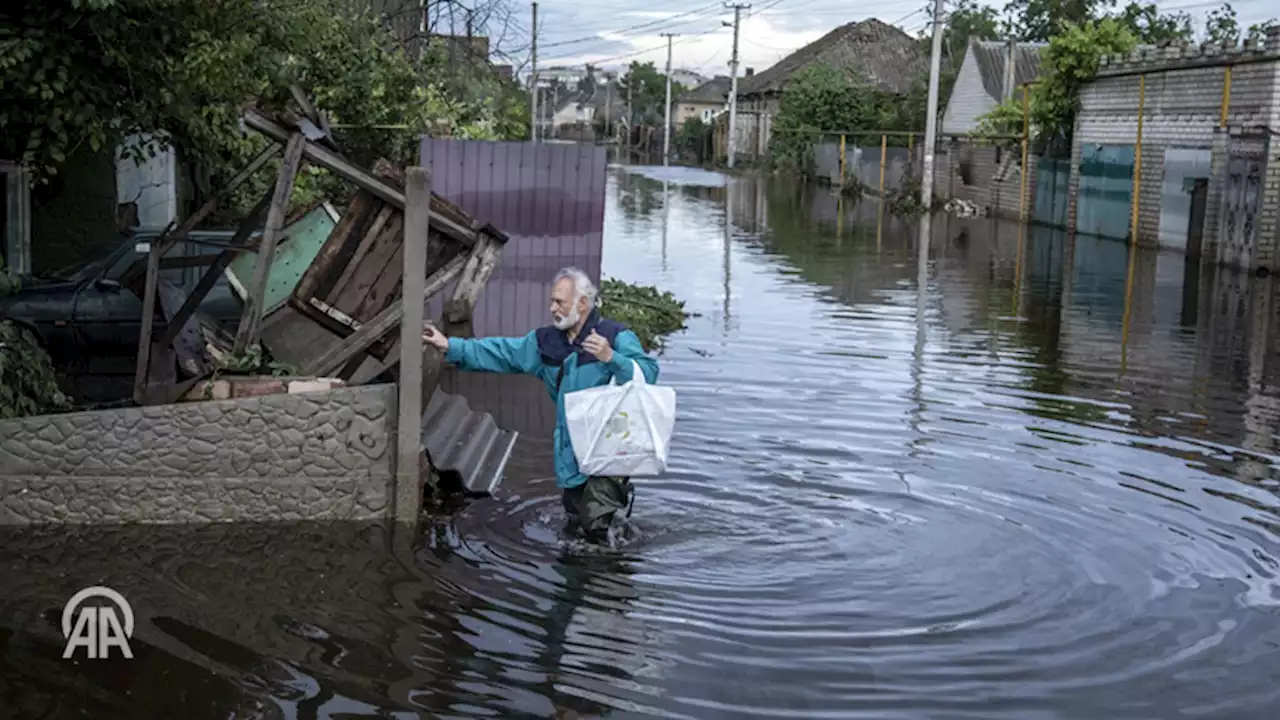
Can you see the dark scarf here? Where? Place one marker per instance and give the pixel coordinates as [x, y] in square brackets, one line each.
[555, 348]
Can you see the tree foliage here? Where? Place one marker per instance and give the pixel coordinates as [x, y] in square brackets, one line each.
[1222, 27]
[1069, 62]
[91, 73]
[1151, 27]
[648, 92]
[821, 99]
[28, 384]
[968, 21]
[1041, 20]
[649, 312]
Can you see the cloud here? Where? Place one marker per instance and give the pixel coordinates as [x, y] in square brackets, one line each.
[654, 14]
[704, 45]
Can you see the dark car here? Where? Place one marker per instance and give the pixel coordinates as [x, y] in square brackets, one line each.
[89, 323]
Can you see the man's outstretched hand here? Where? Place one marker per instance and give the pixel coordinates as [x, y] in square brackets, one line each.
[434, 338]
[598, 346]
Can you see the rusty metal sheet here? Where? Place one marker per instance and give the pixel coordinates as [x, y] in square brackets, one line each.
[465, 441]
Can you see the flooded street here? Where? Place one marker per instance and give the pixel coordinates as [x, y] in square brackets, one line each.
[1052, 495]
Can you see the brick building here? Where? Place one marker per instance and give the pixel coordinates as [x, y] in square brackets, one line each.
[986, 173]
[1210, 182]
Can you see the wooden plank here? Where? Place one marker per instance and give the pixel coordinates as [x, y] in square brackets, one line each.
[331, 161]
[417, 223]
[471, 282]
[368, 333]
[210, 278]
[251, 320]
[192, 221]
[376, 282]
[366, 245]
[142, 371]
[358, 215]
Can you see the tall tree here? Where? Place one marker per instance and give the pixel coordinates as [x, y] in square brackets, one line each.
[1150, 27]
[1221, 26]
[968, 20]
[648, 88]
[1040, 20]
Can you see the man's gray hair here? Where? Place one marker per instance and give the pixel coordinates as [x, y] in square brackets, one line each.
[581, 284]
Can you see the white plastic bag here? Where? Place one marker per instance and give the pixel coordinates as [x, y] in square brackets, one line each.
[621, 430]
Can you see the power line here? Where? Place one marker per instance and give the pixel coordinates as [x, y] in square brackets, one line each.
[665, 23]
[634, 53]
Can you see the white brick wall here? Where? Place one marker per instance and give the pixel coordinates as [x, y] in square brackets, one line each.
[1181, 109]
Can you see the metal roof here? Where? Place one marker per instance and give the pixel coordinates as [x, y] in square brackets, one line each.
[711, 91]
[992, 56]
[466, 442]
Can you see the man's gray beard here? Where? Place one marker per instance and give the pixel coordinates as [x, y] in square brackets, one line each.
[567, 321]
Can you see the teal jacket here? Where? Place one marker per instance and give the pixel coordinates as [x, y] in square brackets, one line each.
[563, 367]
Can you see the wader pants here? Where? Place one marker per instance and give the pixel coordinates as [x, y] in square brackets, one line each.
[592, 505]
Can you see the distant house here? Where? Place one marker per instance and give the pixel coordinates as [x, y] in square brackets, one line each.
[888, 58]
[687, 78]
[566, 76]
[703, 102]
[576, 107]
[988, 78]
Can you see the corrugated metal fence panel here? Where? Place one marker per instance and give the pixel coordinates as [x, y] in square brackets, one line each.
[826, 161]
[1052, 177]
[865, 163]
[1106, 190]
[548, 198]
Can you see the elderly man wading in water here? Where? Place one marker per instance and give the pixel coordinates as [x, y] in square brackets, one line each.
[577, 351]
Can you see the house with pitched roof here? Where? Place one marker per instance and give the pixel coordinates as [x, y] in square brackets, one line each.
[703, 102]
[888, 58]
[991, 74]
[983, 172]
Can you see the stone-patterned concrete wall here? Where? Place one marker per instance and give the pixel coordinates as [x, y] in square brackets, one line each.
[1182, 104]
[324, 455]
[1000, 197]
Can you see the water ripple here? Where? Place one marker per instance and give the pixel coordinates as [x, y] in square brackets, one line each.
[1037, 518]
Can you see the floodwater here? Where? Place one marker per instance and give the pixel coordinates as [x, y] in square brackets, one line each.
[1045, 487]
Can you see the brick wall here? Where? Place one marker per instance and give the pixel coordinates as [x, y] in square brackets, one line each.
[1182, 92]
[1000, 197]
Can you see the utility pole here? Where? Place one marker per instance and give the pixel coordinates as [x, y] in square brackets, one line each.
[931, 119]
[666, 123]
[608, 106]
[733, 83]
[533, 80]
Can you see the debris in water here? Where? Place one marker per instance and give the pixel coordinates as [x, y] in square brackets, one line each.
[649, 312]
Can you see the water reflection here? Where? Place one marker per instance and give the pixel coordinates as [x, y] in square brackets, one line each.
[1045, 486]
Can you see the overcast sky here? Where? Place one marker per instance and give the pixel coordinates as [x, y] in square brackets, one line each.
[616, 32]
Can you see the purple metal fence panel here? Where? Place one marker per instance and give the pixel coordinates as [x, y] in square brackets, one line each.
[548, 198]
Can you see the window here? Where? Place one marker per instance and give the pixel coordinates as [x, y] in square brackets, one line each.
[15, 217]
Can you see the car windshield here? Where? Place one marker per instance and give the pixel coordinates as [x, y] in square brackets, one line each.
[79, 271]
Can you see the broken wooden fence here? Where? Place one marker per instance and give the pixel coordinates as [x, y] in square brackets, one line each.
[352, 288]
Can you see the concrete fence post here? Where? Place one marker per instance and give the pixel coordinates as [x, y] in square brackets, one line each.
[417, 222]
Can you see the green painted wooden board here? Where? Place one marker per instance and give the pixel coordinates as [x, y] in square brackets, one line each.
[298, 246]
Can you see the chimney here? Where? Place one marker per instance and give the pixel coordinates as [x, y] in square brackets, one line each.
[750, 72]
